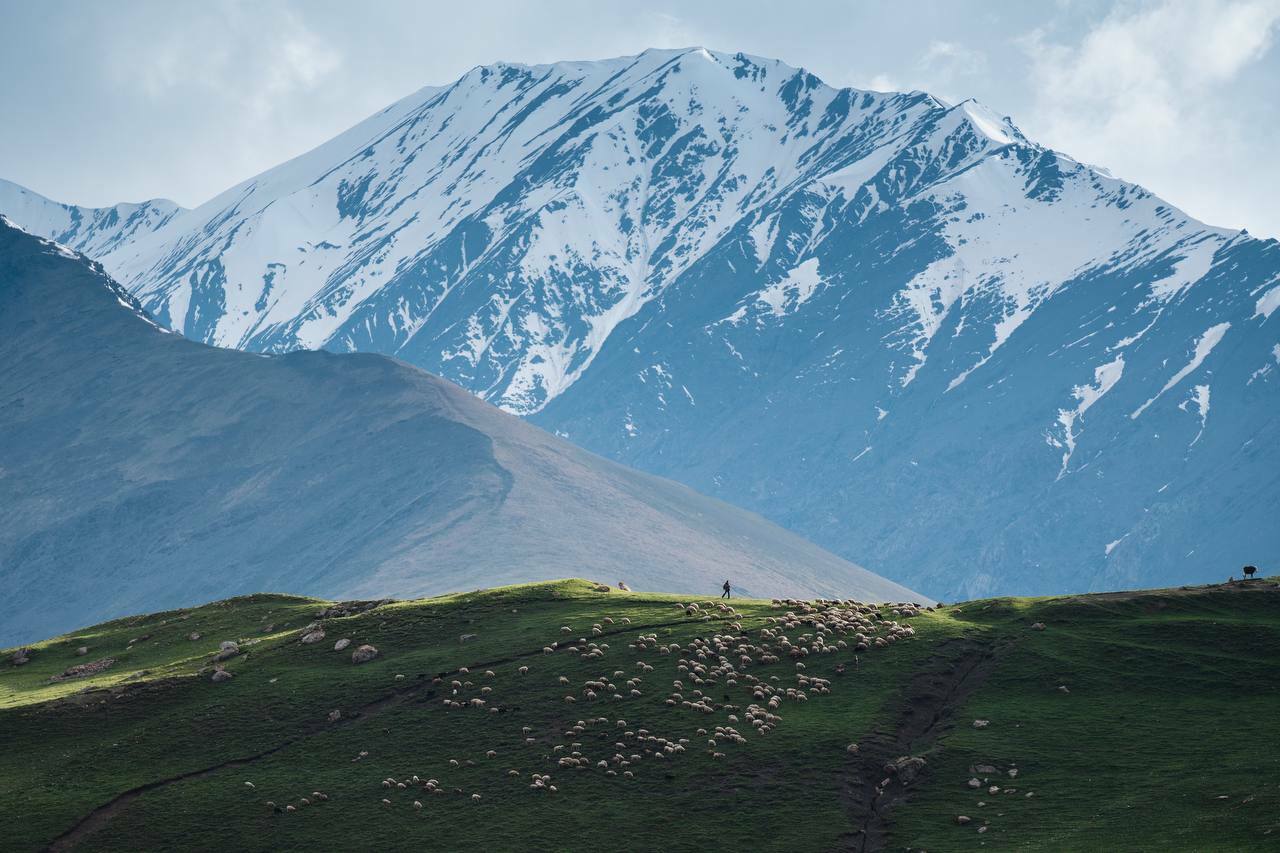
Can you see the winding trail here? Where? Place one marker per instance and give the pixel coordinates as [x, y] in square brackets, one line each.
[102, 815]
[922, 712]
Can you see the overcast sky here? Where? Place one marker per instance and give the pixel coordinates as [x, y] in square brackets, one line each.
[107, 102]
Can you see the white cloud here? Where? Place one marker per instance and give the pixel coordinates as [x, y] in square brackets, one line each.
[950, 57]
[1142, 93]
[251, 58]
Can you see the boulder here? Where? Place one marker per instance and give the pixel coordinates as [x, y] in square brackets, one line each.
[906, 768]
[364, 654]
[1037, 626]
[975, 783]
[984, 769]
[313, 636]
[341, 644]
[962, 819]
[21, 656]
[227, 649]
[82, 651]
[221, 675]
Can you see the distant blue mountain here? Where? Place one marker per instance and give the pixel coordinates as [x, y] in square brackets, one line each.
[894, 325]
[140, 470]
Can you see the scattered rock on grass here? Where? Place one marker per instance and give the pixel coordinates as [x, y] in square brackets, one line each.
[1037, 626]
[981, 724]
[335, 715]
[364, 654]
[341, 644]
[962, 819]
[220, 675]
[82, 651]
[227, 649]
[21, 656]
[313, 635]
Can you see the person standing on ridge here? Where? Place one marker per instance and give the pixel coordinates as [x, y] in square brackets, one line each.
[726, 588]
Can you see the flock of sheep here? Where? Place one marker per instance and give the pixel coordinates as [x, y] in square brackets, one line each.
[730, 658]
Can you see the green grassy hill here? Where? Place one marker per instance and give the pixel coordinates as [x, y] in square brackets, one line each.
[1135, 721]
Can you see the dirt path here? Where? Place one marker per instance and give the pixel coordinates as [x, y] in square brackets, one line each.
[922, 713]
[103, 814]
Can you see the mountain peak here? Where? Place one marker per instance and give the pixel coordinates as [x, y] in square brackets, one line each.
[702, 263]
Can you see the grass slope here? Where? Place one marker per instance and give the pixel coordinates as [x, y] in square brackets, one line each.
[1164, 738]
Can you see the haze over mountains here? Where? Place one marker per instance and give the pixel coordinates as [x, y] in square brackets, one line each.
[896, 326]
[141, 470]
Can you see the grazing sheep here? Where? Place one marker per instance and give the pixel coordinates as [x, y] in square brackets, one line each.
[524, 670]
[475, 798]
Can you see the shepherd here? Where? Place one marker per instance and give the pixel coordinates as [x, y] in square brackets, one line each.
[726, 589]
[1249, 572]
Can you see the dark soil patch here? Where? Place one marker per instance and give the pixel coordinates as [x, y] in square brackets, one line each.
[922, 713]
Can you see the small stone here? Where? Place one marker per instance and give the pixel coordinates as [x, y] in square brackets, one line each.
[984, 769]
[1013, 773]
[982, 829]
[1062, 688]
[963, 819]
[194, 635]
[974, 783]
[466, 638]
[341, 644]
[364, 654]
[220, 675]
[1037, 626]
[994, 789]
[851, 748]
[82, 651]
[981, 724]
[335, 715]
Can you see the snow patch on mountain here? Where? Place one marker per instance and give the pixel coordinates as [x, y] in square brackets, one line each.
[1204, 345]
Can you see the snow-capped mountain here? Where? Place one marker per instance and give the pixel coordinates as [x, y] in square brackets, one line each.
[95, 231]
[140, 470]
[895, 325]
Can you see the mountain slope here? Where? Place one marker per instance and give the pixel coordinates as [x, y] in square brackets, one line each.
[140, 469]
[894, 325]
[94, 231]
[151, 754]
